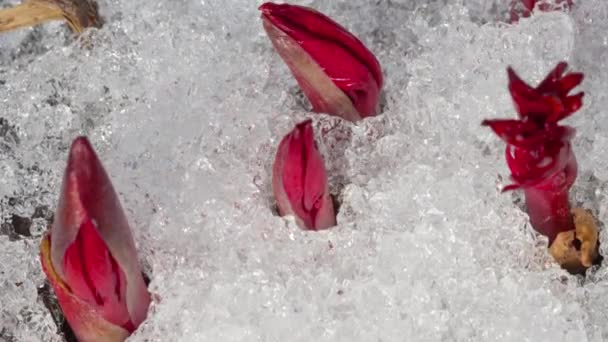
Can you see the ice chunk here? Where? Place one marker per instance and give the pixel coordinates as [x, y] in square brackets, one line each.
[186, 101]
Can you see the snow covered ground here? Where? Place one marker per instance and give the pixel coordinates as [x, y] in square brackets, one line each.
[186, 101]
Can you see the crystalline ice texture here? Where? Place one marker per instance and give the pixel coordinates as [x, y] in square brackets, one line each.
[186, 102]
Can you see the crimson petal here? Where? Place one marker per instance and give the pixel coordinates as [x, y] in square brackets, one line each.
[94, 276]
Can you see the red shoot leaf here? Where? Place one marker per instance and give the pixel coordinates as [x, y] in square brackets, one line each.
[94, 276]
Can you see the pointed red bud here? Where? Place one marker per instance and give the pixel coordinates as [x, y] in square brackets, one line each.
[337, 73]
[89, 256]
[299, 181]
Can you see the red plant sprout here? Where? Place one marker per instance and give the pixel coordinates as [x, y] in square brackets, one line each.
[538, 150]
[299, 181]
[89, 255]
[524, 8]
[539, 153]
[336, 72]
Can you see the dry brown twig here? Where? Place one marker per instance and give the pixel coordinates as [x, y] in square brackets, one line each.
[79, 14]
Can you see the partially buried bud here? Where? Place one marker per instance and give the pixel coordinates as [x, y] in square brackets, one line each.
[337, 73]
[89, 255]
[299, 180]
[524, 8]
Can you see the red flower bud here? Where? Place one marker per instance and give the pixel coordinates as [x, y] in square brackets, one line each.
[299, 181]
[89, 255]
[538, 151]
[337, 73]
[524, 8]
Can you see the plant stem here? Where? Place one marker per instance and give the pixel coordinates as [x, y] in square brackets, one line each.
[549, 211]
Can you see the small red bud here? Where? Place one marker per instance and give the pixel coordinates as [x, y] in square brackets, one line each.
[299, 181]
[338, 74]
[89, 255]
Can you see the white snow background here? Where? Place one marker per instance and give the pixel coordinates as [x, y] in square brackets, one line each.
[186, 101]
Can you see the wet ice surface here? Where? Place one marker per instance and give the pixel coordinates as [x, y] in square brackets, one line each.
[186, 102]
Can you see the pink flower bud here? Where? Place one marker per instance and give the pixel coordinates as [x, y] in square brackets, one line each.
[299, 181]
[337, 73]
[538, 151]
[89, 255]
